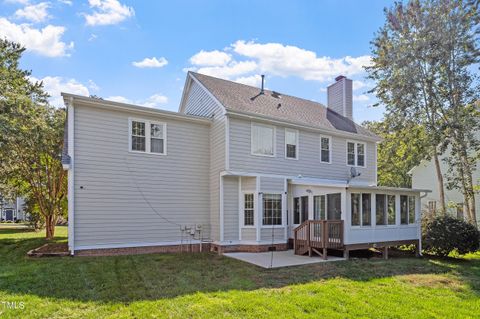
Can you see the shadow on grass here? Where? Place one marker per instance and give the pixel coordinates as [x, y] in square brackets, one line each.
[151, 277]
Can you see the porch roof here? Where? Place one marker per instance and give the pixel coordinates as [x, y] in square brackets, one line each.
[391, 189]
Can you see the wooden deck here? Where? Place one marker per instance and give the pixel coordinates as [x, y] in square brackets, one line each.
[317, 236]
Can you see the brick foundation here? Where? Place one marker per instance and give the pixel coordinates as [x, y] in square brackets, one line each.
[194, 248]
[246, 248]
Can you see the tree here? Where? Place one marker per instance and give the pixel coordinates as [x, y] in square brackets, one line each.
[401, 150]
[418, 55]
[31, 138]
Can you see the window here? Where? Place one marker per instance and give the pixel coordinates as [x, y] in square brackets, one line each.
[300, 209]
[156, 138]
[351, 153]
[291, 144]
[248, 219]
[319, 204]
[361, 209]
[138, 136]
[380, 209]
[403, 209]
[391, 210]
[355, 209]
[156, 133]
[325, 146]
[263, 140]
[272, 209]
[356, 154]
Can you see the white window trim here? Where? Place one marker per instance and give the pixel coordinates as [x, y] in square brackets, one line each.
[263, 211]
[242, 213]
[329, 147]
[147, 136]
[355, 143]
[297, 148]
[274, 139]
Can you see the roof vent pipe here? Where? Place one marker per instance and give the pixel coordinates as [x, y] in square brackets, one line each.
[263, 82]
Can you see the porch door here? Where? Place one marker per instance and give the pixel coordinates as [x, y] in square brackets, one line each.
[300, 209]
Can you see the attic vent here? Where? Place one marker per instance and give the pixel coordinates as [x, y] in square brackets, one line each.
[276, 95]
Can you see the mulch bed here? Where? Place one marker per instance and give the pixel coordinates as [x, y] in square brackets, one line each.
[50, 250]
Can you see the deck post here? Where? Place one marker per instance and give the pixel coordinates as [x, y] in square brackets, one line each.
[385, 252]
[346, 254]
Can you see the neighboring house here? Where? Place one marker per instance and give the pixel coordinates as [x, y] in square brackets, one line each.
[238, 168]
[424, 175]
[12, 210]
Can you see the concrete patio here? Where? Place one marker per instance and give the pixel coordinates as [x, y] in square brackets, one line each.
[280, 259]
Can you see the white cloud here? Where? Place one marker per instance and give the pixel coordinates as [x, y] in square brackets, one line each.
[210, 58]
[67, 2]
[46, 41]
[92, 37]
[93, 86]
[151, 63]
[253, 80]
[17, 1]
[35, 12]
[156, 100]
[243, 60]
[286, 60]
[233, 69]
[55, 85]
[361, 98]
[106, 12]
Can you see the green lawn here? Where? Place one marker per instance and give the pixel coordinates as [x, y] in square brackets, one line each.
[210, 286]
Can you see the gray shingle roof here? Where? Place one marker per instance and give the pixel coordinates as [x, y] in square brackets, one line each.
[239, 97]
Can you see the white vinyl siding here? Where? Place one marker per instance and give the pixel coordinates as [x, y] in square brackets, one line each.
[308, 163]
[291, 144]
[263, 140]
[114, 188]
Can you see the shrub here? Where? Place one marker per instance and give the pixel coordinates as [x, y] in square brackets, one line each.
[442, 235]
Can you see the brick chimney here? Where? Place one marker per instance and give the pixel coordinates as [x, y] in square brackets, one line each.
[339, 96]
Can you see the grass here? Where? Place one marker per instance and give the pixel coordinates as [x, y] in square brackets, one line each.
[211, 286]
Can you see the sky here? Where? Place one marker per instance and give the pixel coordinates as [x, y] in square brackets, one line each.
[140, 51]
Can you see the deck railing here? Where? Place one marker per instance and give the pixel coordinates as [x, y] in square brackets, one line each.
[316, 236]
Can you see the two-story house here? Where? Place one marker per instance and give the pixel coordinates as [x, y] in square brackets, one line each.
[238, 168]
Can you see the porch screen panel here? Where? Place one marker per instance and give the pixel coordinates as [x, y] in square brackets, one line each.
[391, 210]
[355, 206]
[319, 207]
[304, 209]
[296, 210]
[403, 209]
[411, 209]
[366, 210]
[334, 206]
[381, 209]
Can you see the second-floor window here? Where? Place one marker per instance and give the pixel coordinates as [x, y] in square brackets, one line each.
[263, 140]
[325, 149]
[291, 144]
[148, 137]
[356, 154]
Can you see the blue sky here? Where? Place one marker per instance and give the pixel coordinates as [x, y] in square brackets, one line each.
[139, 52]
